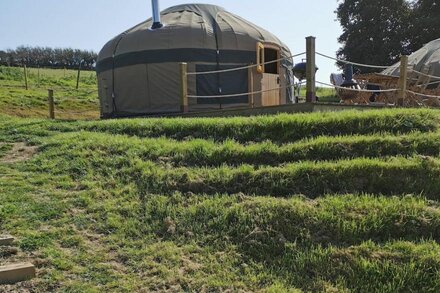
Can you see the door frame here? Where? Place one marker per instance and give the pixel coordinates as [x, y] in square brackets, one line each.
[258, 72]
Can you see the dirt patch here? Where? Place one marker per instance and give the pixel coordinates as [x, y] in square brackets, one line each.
[19, 152]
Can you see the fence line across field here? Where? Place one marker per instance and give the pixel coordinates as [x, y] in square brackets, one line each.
[59, 87]
[244, 67]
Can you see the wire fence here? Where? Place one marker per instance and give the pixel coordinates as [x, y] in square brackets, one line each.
[72, 89]
[83, 91]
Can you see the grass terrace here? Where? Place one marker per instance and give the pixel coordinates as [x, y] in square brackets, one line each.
[322, 202]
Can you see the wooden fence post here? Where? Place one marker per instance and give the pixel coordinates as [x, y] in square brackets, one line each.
[184, 88]
[51, 104]
[403, 80]
[25, 77]
[78, 76]
[311, 70]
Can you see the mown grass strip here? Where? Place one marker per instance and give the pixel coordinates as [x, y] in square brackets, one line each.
[394, 267]
[279, 128]
[86, 158]
[282, 128]
[392, 176]
[208, 153]
[262, 225]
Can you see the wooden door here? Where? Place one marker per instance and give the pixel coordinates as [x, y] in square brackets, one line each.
[270, 98]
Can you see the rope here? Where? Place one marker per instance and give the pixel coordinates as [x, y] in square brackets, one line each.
[428, 84]
[239, 95]
[424, 74]
[352, 63]
[422, 95]
[358, 90]
[244, 67]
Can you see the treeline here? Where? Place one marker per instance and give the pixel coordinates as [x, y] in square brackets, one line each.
[378, 32]
[49, 57]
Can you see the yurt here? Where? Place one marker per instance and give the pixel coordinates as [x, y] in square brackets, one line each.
[425, 61]
[139, 70]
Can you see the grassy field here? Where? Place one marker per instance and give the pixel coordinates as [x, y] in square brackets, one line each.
[69, 102]
[324, 94]
[322, 202]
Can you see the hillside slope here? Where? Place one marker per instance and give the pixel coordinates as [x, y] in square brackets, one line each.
[337, 202]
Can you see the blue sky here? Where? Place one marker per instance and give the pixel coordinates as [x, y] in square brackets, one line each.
[89, 24]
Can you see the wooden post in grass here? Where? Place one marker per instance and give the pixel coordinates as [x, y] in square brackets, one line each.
[184, 88]
[25, 77]
[403, 80]
[38, 75]
[310, 70]
[79, 73]
[51, 104]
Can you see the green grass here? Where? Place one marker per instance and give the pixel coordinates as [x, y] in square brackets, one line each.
[69, 102]
[323, 202]
[199, 152]
[281, 128]
[324, 94]
[4, 148]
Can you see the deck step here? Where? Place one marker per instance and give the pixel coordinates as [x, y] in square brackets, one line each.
[14, 273]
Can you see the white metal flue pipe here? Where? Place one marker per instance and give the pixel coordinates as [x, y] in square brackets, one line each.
[156, 15]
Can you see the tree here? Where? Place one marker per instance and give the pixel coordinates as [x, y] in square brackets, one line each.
[374, 32]
[425, 26]
[48, 57]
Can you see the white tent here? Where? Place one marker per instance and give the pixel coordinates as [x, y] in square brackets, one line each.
[426, 61]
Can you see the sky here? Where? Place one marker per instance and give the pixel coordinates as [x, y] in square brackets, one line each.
[89, 24]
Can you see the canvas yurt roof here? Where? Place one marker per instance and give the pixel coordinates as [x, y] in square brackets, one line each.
[425, 60]
[138, 71]
[192, 29]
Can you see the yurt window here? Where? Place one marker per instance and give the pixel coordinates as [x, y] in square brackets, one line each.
[271, 55]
